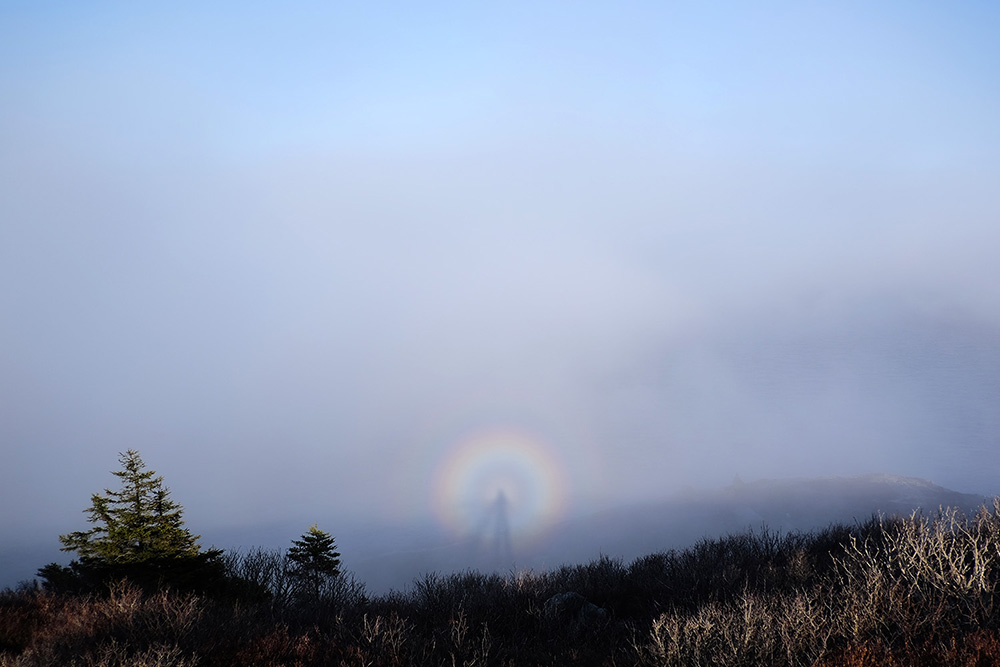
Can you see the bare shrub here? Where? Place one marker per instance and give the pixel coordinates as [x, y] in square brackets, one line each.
[921, 577]
[264, 574]
[119, 655]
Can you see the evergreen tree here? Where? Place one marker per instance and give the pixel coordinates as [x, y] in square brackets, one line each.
[314, 560]
[138, 534]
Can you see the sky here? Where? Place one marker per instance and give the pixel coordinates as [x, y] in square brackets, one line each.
[384, 262]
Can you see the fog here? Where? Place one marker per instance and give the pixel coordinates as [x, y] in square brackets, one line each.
[374, 267]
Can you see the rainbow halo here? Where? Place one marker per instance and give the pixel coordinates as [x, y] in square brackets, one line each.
[504, 469]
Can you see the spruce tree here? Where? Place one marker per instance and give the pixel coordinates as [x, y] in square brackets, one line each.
[138, 534]
[315, 560]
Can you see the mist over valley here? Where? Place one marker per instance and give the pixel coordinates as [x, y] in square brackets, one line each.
[497, 287]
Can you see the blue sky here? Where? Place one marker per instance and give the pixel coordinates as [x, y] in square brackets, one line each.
[296, 255]
[772, 77]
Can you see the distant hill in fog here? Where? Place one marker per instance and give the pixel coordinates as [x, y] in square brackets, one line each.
[636, 530]
[780, 504]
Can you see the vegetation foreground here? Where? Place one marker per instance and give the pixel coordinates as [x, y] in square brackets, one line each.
[912, 591]
[890, 592]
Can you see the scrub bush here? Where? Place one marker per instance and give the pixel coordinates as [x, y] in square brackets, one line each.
[921, 590]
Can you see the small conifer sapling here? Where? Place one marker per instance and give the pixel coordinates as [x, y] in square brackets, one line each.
[314, 560]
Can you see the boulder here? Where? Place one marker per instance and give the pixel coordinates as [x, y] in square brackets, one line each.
[574, 609]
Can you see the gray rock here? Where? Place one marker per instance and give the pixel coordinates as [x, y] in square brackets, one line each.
[574, 609]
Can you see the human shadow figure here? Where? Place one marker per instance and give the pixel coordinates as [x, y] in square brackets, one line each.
[492, 546]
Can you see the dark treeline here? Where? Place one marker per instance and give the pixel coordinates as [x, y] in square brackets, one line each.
[918, 590]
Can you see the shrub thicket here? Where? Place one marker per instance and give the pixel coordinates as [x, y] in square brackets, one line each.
[921, 590]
